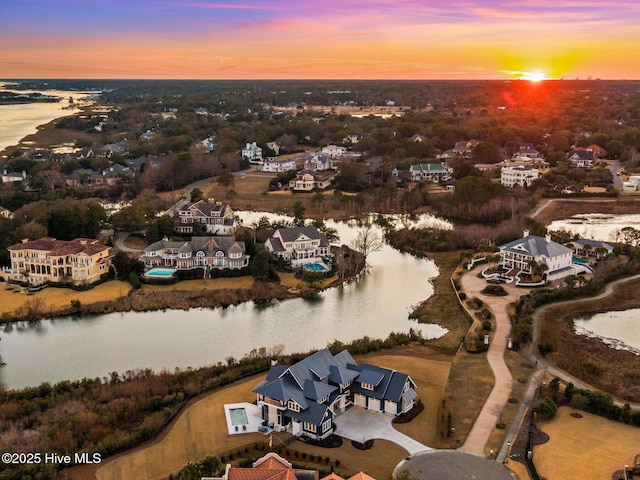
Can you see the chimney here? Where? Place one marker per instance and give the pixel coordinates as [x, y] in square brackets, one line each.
[274, 361]
[547, 238]
[525, 234]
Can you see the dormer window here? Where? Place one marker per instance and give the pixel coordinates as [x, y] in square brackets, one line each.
[367, 386]
[293, 406]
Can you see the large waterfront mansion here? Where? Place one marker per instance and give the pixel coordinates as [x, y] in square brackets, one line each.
[77, 262]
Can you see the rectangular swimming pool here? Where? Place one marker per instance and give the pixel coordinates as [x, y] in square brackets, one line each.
[238, 416]
[160, 272]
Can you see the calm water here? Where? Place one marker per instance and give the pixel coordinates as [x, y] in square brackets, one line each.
[375, 305]
[596, 226]
[18, 121]
[621, 330]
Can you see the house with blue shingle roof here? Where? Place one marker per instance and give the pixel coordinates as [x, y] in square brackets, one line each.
[305, 398]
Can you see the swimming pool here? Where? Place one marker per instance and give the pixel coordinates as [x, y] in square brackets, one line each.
[580, 261]
[316, 267]
[238, 416]
[160, 272]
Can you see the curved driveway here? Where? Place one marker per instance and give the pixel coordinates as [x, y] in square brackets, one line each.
[486, 422]
[361, 425]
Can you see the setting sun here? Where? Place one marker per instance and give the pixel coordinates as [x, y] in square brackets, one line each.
[534, 76]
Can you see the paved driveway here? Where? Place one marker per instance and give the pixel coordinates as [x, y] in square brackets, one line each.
[361, 425]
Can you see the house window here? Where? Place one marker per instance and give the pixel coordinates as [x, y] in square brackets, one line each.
[406, 387]
[293, 406]
[326, 425]
[367, 386]
[309, 427]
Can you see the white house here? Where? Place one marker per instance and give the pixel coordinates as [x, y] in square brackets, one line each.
[307, 181]
[581, 158]
[210, 253]
[519, 175]
[520, 253]
[298, 245]
[275, 165]
[434, 172]
[333, 151]
[208, 144]
[318, 163]
[253, 153]
[214, 218]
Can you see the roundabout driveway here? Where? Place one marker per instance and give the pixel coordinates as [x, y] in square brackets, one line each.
[361, 425]
[453, 465]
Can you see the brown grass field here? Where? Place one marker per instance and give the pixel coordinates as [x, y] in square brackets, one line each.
[52, 299]
[201, 429]
[470, 383]
[588, 448]
[559, 210]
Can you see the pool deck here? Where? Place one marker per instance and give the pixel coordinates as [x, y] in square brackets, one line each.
[253, 417]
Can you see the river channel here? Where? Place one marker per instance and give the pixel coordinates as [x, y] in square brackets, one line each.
[375, 305]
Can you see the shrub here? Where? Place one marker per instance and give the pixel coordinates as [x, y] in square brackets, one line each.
[545, 408]
[134, 280]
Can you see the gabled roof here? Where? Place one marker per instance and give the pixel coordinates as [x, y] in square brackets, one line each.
[593, 243]
[342, 375]
[535, 246]
[314, 413]
[317, 390]
[294, 233]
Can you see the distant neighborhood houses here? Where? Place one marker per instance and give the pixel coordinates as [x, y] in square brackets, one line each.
[253, 153]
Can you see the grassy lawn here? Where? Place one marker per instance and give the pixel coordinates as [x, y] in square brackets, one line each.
[205, 283]
[201, 429]
[430, 382]
[470, 382]
[587, 448]
[51, 299]
[290, 281]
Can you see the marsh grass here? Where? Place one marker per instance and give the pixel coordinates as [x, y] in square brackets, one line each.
[614, 371]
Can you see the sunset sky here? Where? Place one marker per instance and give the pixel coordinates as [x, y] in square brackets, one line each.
[346, 39]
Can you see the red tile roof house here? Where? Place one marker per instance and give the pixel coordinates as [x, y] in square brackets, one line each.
[78, 262]
[304, 398]
[273, 467]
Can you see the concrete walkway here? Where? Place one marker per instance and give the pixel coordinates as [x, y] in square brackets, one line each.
[489, 416]
[361, 425]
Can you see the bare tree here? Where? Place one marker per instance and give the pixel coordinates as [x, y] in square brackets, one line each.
[367, 241]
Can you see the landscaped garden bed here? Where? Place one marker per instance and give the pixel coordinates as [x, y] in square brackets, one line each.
[411, 414]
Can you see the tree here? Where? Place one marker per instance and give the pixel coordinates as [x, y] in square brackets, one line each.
[368, 240]
[226, 178]
[486, 152]
[196, 194]
[298, 214]
[260, 267]
[130, 219]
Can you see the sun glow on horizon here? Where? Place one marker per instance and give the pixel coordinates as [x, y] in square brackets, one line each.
[534, 76]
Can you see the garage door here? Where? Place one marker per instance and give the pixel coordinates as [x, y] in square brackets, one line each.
[360, 400]
[374, 404]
